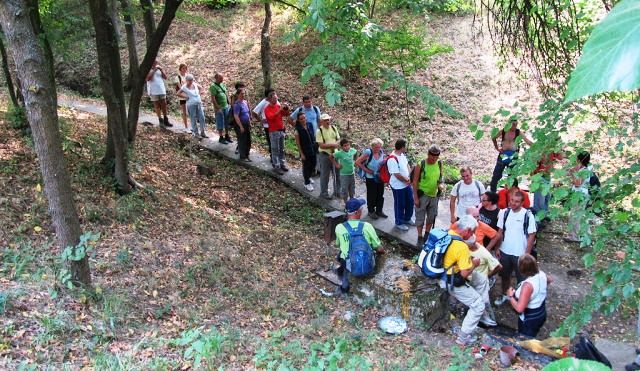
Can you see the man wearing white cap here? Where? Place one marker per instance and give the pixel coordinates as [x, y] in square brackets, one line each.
[328, 139]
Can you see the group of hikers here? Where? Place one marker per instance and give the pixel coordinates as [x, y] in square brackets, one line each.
[492, 232]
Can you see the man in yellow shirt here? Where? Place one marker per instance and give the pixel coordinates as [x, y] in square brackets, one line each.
[468, 287]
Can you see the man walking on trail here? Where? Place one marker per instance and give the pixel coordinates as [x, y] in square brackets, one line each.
[517, 231]
[258, 114]
[274, 112]
[158, 92]
[428, 182]
[466, 193]
[354, 208]
[507, 151]
[328, 139]
[469, 287]
[400, 183]
[220, 101]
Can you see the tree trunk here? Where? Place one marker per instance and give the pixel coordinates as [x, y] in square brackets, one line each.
[115, 18]
[265, 47]
[169, 13]
[148, 19]
[7, 73]
[131, 43]
[28, 45]
[112, 90]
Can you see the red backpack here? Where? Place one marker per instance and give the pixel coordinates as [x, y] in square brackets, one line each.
[385, 176]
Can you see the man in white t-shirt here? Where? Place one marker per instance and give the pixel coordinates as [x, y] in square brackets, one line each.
[466, 193]
[517, 231]
[400, 183]
[158, 92]
[258, 114]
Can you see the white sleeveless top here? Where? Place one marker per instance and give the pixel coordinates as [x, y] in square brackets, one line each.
[539, 294]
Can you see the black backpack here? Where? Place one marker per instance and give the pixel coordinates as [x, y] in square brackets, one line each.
[584, 349]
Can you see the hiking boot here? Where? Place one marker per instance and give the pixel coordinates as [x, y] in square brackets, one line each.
[228, 138]
[402, 227]
[373, 216]
[382, 215]
[466, 339]
[284, 168]
[204, 135]
[160, 122]
[487, 321]
[222, 140]
[278, 171]
[420, 242]
[501, 300]
[167, 123]
[308, 187]
[326, 197]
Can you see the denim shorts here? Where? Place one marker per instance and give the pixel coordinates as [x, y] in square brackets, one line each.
[221, 117]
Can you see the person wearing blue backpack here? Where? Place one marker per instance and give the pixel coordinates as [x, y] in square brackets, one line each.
[357, 241]
[467, 286]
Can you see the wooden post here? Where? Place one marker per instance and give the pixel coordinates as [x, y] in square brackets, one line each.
[331, 220]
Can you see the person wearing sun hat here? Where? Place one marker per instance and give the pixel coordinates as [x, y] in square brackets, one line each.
[354, 208]
[328, 139]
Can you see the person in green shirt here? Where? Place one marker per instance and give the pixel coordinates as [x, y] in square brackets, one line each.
[354, 208]
[220, 102]
[427, 183]
[344, 160]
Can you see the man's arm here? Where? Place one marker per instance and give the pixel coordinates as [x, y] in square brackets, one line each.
[494, 139]
[416, 173]
[467, 272]
[150, 74]
[297, 136]
[531, 238]
[495, 240]
[452, 208]
[216, 106]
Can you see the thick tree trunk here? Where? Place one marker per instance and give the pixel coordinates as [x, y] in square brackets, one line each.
[7, 73]
[148, 19]
[170, 8]
[28, 46]
[130, 30]
[265, 47]
[112, 90]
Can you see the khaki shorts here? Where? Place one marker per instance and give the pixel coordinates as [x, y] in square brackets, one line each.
[159, 97]
[428, 210]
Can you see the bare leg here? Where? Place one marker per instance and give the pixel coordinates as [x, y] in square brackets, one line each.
[184, 114]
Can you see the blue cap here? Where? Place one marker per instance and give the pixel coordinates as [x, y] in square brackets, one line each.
[354, 204]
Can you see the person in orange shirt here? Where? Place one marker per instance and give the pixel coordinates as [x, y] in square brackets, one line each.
[483, 230]
[504, 195]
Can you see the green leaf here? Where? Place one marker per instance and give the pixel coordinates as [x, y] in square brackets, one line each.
[479, 134]
[575, 364]
[473, 127]
[611, 55]
[588, 260]
[627, 290]
[609, 291]
[486, 119]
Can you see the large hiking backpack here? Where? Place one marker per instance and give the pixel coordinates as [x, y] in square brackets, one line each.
[432, 255]
[360, 260]
[385, 175]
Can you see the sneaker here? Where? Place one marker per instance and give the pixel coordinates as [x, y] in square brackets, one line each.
[402, 227]
[487, 321]
[204, 135]
[284, 168]
[308, 187]
[410, 223]
[501, 300]
[278, 171]
[466, 339]
[373, 216]
[228, 139]
[311, 181]
[382, 215]
[222, 140]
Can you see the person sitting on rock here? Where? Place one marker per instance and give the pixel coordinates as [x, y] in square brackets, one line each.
[529, 299]
[354, 208]
[469, 287]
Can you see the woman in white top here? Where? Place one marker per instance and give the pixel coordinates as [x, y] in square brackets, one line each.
[529, 299]
[158, 93]
[191, 91]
